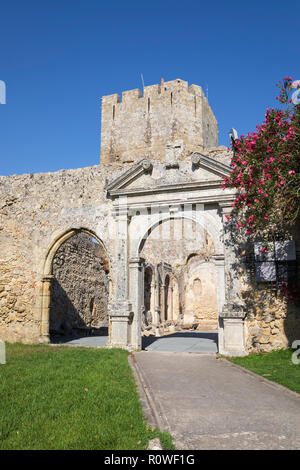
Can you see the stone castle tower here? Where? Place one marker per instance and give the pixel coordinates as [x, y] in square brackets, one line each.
[168, 122]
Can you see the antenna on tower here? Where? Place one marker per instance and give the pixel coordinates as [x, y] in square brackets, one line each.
[143, 82]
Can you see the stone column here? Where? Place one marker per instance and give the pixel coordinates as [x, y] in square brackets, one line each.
[152, 297]
[176, 310]
[157, 310]
[231, 318]
[136, 293]
[170, 302]
[120, 308]
[218, 260]
[162, 303]
[46, 303]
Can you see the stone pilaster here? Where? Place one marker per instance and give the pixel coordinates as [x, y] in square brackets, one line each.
[232, 289]
[231, 318]
[136, 293]
[120, 307]
[162, 303]
[46, 302]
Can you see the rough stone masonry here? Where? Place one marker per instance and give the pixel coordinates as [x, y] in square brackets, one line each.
[152, 249]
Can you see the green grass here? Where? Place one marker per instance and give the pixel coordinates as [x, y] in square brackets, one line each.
[71, 398]
[276, 366]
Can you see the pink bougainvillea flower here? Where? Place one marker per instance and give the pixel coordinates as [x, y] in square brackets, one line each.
[295, 84]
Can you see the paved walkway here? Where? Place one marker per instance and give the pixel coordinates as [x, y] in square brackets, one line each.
[208, 403]
[184, 341]
[93, 341]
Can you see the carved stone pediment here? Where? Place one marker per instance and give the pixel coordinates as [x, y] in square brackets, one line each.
[153, 176]
[129, 176]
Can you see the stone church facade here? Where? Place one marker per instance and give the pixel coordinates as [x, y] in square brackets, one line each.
[144, 232]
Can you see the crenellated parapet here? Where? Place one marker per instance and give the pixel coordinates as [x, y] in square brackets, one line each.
[145, 124]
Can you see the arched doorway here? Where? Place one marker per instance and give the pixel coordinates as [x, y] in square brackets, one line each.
[76, 287]
[190, 292]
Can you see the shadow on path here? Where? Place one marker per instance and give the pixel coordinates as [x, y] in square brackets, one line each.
[81, 340]
[183, 341]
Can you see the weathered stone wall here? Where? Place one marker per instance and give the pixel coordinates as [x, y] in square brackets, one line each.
[35, 209]
[174, 240]
[142, 126]
[199, 298]
[272, 319]
[272, 322]
[187, 247]
[80, 287]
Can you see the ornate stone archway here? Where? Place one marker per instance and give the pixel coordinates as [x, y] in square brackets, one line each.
[136, 287]
[142, 202]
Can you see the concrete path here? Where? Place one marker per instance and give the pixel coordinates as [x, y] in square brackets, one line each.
[208, 403]
[93, 341]
[184, 341]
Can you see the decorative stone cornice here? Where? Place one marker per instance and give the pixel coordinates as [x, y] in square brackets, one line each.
[143, 166]
[233, 310]
[218, 259]
[203, 161]
[119, 185]
[226, 206]
[172, 187]
[120, 309]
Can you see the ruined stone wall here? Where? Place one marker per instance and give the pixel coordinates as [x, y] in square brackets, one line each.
[188, 248]
[272, 322]
[34, 210]
[174, 240]
[199, 293]
[80, 287]
[272, 319]
[142, 126]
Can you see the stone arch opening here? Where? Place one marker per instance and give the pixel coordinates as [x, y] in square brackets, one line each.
[75, 288]
[189, 294]
[189, 225]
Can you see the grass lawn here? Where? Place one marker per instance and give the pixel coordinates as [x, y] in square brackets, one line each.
[71, 398]
[276, 366]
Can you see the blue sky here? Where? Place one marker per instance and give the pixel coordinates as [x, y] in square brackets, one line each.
[58, 58]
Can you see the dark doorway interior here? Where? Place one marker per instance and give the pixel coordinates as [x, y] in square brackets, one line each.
[79, 291]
